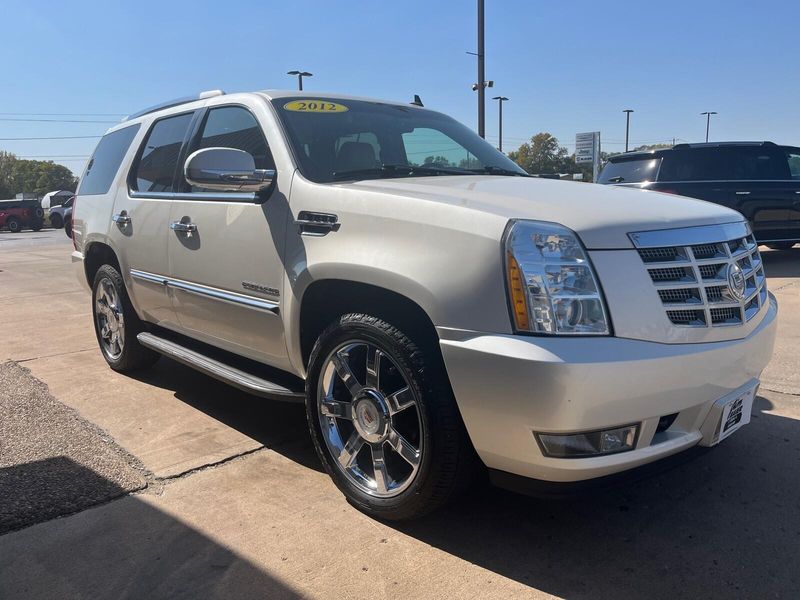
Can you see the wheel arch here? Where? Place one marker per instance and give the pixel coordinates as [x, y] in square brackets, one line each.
[324, 300]
[95, 255]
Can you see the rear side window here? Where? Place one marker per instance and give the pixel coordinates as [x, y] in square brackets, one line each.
[704, 164]
[158, 160]
[630, 171]
[759, 164]
[105, 161]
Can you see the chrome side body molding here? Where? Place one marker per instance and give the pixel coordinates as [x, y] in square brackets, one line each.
[210, 292]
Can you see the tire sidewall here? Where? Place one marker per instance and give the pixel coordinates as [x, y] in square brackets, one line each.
[14, 225]
[350, 331]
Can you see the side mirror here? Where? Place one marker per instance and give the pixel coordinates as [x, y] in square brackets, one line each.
[226, 170]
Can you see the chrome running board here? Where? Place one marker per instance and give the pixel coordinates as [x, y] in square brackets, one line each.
[238, 378]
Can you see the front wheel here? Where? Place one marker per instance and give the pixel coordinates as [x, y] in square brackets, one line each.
[116, 323]
[56, 221]
[384, 421]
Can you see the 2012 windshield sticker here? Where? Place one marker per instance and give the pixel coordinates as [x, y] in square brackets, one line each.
[315, 106]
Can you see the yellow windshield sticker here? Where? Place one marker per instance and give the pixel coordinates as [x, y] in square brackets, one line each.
[315, 106]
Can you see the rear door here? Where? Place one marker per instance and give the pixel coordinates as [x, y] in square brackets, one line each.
[227, 275]
[763, 191]
[701, 173]
[141, 214]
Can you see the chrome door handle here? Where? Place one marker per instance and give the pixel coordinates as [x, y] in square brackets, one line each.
[122, 219]
[742, 193]
[182, 227]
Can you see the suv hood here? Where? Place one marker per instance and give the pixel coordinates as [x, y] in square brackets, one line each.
[602, 215]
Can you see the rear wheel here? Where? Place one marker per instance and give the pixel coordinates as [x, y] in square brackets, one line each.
[780, 245]
[14, 224]
[116, 323]
[384, 421]
[56, 221]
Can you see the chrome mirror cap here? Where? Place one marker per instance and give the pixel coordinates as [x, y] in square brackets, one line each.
[226, 170]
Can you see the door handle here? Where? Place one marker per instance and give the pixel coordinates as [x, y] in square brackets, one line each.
[742, 193]
[181, 227]
[316, 224]
[122, 219]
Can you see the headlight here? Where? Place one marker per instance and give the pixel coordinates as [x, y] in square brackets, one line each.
[551, 282]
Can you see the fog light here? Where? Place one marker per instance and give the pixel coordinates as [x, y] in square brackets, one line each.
[590, 443]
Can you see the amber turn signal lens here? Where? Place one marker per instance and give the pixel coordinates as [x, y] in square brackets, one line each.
[518, 296]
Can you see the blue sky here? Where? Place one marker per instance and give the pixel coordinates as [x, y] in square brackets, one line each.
[567, 67]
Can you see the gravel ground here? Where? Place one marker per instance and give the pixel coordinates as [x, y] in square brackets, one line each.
[52, 461]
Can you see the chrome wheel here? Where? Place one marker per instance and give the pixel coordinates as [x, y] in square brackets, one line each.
[370, 419]
[110, 319]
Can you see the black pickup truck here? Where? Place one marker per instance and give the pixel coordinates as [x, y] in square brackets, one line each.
[759, 179]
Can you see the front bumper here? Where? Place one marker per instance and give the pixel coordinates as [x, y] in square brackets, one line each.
[508, 387]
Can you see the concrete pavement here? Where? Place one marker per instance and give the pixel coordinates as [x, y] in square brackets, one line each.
[235, 504]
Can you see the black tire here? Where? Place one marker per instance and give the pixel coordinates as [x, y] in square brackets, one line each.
[56, 221]
[14, 224]
[68, 228]
[132, 355]
[37, 225]
[447, 460]
[39, 212]
[781, 245]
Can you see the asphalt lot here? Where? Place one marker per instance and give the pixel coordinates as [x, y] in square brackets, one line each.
[234, 504]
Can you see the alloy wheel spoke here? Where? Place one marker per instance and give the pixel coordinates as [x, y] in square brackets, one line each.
[404, 448]
[400, 400]
[374, 367]
[340, 362]
[334, 408]
[382, 479]
[350, 450]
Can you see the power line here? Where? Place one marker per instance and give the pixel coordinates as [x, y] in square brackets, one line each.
[55, 120]
[64, 137]
[24, 114]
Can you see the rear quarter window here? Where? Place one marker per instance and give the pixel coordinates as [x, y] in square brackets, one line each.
[106, 160]
[630, 171]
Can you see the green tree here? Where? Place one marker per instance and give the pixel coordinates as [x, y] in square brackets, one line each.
[32, 176]
[543, 155]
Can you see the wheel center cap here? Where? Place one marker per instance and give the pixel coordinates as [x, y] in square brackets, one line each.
[370, 416]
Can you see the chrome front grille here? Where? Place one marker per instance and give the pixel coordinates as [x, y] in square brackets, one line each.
[693, 283]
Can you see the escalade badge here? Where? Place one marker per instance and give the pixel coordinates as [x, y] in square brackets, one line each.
[736, 282]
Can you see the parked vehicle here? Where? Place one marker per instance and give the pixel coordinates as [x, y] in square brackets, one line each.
[761, 180]
[429, 302]
[16, 215]
[57, 213]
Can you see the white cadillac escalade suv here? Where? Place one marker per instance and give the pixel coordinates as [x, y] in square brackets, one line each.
[436, 309]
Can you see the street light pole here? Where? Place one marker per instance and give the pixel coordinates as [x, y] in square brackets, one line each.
[627, 112]
[481, 75]
[300, 75]
[500, 100]
[708, 121]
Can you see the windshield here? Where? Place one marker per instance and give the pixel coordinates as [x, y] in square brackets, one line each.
[340, 140]
[639, 170]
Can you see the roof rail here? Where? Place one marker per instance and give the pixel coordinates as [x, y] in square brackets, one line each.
[175, 102]
[721, 144]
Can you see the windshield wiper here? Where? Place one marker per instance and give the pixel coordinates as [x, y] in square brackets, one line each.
[493, 170]
[397, 171]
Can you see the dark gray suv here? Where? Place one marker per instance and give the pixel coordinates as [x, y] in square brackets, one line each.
[759, 179]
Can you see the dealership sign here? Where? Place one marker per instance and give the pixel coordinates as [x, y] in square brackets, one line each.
[587, 147]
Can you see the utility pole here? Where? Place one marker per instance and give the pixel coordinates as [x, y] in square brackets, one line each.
[481, 75]
[300, 75]
[500, 100]
[708, 121]
[627, 112]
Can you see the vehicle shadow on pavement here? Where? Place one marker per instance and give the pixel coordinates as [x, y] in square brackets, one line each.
[279, 426]
[781, 263]
[724, 525]
[127, 549]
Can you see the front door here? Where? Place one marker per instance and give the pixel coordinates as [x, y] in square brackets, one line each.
[141, 218]
[226, 273]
